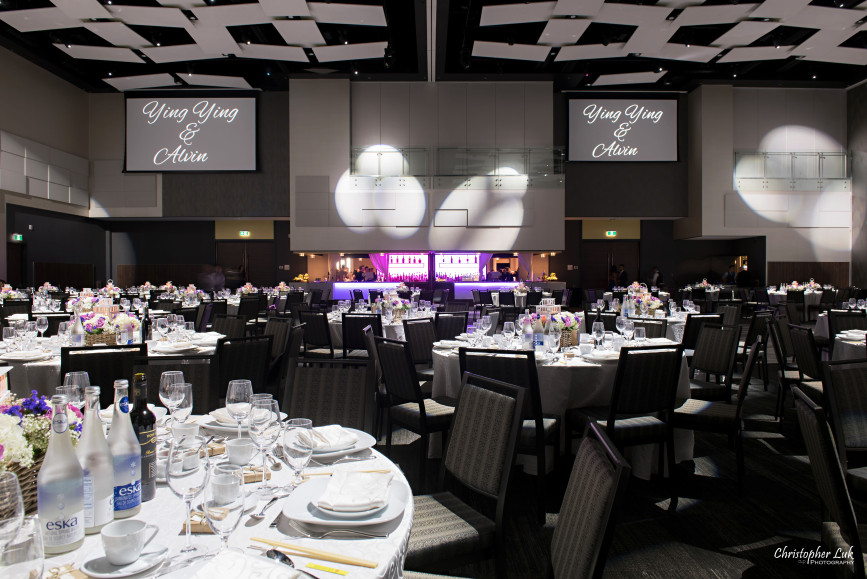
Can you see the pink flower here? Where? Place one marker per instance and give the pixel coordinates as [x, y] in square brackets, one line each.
[2, 449]
[75, 411]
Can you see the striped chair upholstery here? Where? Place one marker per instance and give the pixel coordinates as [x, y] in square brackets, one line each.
[447, 532]
[788, 372]
[731, 314]
[608, 319]
[333, 392]
[830, 480]
[420, 335]
[317, 336]
[758, 330]
[587, 517]
[714, 355]
[230, 326]
[845, 384]
[353, 332]
[809, 363]
[720, 416]
[652, 328]
[538, 429]
[692, 328]
[244, 359]
[410, 409]
[450, 324]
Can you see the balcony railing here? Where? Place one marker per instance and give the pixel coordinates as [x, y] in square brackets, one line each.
[384, 161]
[757, 171]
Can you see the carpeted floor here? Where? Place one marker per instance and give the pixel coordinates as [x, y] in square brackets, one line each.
[715, 531]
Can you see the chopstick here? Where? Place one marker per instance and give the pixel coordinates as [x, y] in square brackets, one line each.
[318, 554]
[329, 473]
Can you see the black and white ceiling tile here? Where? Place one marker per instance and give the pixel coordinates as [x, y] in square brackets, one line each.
[107, 45]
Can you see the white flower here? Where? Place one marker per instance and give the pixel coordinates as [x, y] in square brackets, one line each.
[16, 450]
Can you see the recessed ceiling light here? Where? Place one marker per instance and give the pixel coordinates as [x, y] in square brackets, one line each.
[814, 77]
[345, 42]
[109, 74]
[355, 72]
[735, 75]
[158, 44]
[248, 42]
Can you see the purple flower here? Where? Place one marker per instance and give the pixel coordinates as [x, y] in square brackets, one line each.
[77, 427]
[2, 449]
[14, 411]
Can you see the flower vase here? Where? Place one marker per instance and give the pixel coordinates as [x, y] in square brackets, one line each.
[398, 314]
[27, 483]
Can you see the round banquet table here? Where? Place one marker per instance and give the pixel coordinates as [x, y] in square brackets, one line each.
[167, 511]
[849, 350]
[393, 331]
[811, 298]
[576, 384]
[669, 327]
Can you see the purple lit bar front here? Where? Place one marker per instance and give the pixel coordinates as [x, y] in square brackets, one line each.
[343, 290]
[464, 290]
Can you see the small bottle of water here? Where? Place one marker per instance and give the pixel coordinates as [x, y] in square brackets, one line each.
[96, 462]
[126, 452]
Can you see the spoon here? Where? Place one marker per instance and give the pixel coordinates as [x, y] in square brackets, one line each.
[281, 557]
[261, 514]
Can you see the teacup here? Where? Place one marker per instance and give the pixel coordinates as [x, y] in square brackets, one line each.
[123, 541]
[188, 430]
[586, 349]
[239, 451]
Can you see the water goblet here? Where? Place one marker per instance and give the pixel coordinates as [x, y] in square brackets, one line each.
[78, 381]
[187, 474]
[9, 338]
[640, 335]
[297, 446]
[619, 323]
[224, 501]
[182, 398]
[598, 333]
[167, 382]
[41, 325]
[162, 326]
[11, 508]
[264, 428]
[628, 330]
[23, 556]
[509, 331]
[238, 400]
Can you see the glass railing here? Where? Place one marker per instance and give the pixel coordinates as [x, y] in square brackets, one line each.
[795, 171]
[384, 161]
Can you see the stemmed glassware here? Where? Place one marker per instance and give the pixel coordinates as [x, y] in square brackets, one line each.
[74, 384]
[297, 446]
[640, 335]
[264, 427]
[485, 324]
[41, 325]
[552, 341]
[11, 508]
[162, 326]
[224, 501]
[169, 396]
[23, 554]
[509, 332]
[30, 332]
[619, 323]
[238, 401]
[184, 393]
[628, 330]
[9, 338]
[598, 333]
[63, 332]
[187, 474]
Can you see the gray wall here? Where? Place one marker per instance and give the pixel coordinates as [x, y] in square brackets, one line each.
[857, 133]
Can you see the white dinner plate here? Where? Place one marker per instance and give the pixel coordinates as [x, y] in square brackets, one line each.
[447, 344]
[211, 423]
[174, 348]
[100, 567]
[301, 505]
[349, 515]
[605, 355]
[26, 356]
[364, 442]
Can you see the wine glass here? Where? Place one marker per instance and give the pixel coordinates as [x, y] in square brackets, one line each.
[224, 501]
[509, 331]
[136, 304]
[643, 308]
[189, 329]
[76, 382]
[41, 325]
[628, 330]
[672, 307]
[238, 399]
[615, 304]
[11, 508]
[297, 446]
[640, 335]
[619, 324]
[187, 474]
[30, 332]
[264, 427]
[485, 324]
[552, 342]
[167, 382]
[184, 407]
[598, 333]
[9, 338]
[162, 326]
[23, 556]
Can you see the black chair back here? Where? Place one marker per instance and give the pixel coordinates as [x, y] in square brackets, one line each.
[507, 299]
[716, 349]
[353, 331]
[646, 382]
[103, 365]
[398, 371]
[842, 320]
[243, 359]
[692, 328]
[230, 326]
[317, 335]
[806, 352]
[332, 392]
[652, 328]
[248, 308]
[199, 370]
[845, 386]
[420, 336]
[450, 324]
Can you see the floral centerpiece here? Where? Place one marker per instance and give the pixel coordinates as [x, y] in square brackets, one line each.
[110, 290]
[521, 288]
[282, 287]
[704, 283]
[652, 303]
[168, 287]
[146, 287]
[25, 424]
[247, 288]
[302, 277]
[569, 326]
[401, 288]
[794, 286]
[192, 290]
[47, 287]
[7, 293]
[87, 303]
[97, 329]
[124, 323]
[813, 285]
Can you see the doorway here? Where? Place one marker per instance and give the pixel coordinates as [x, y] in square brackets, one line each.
[15, 274]
[597, 257]
[247, 261]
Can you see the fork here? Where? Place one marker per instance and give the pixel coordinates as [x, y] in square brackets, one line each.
[333, 531]
[344, 459]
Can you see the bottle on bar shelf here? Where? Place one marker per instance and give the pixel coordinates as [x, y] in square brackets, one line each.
[98, 467]
[60, 487]
[126, 452]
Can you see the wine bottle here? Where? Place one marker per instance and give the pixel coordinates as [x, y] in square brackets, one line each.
[144, 424]
[60, 487]
[96, 463]
[126, 454]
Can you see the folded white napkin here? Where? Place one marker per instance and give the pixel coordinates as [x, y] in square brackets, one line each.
[222, 416]
[604, 355]
[449, 344]
[331, 438]
[351, 492]
[207, 338]
[229, 564]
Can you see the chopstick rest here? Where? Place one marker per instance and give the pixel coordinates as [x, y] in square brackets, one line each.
[254, 474]
[198, 524]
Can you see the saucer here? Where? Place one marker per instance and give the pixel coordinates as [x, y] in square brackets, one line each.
[100, 567]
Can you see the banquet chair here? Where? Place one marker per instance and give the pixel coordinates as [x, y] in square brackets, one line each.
[692, 328]
[291, 360]
[796, 306]
[508, 308]
[758, 330]
[534, 298]
[714, 356]
[459, 306]
[420, 337]
[842, 320]
[841, 531]
[721, 417]
[12, 307]
[295, 309]
[787, 371]
[248, 308]
[652, 328]
[843, 295]
[374, 294]
[294, 297]
[558, 296]
[317, 335]
[199, 370]
[642, 404]
[332, 392]
[165, 305]
[202, 325]
[380, 394]
[826, 302]
[410, 409]
[54, 321]
[314, 297]
[103, 365]
[809, 363]
[229, 326]
[845, 384]
[538, 429]
[278, 329]
[426, 295]
[731, 314]
[448, 532]
[218, 308]
[437, 296]
[357, 295]
[353, 332]
[608, 319]
[244, 359]
[449, 325]
[189, 314]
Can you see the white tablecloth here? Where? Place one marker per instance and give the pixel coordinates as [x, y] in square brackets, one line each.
[577, 384]
[846, 350]
[811, 298]
[167, 511]
[393, 331]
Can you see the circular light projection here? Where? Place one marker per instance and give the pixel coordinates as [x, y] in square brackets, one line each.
[378, 198]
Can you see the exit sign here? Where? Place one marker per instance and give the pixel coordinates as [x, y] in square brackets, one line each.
[244, 233]
[17, 237]
[610, 234]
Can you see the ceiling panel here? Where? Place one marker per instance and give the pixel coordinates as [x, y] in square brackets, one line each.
[744, 33]
[82, 8]
[150, 16]
[516, 13]
[632, 14]
[182, 4]
[231, 15]
[779, 8]
[591, 52]
[285, 7]
[350, 51]
[214, 40]
[628, 78]
[358, 14]
[271, 52]
[824, 18]
[111, 53]
[179, 53]
[650, 38]
[123, 83]
[118, 34]
[578, 7]
[513, 52]
[38, 19]
[196, 79]
[683, 52]
[744, 54]
[698, 15]
[299, 32]
[563, 31]
[842, 55]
